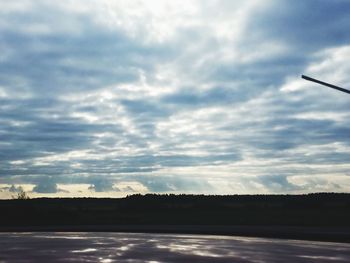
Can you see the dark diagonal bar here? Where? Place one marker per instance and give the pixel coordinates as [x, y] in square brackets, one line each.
[325, 84]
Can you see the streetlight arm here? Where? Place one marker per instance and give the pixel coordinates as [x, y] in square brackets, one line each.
[325, 84]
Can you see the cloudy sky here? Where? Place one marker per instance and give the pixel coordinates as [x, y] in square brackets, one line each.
[109, 98]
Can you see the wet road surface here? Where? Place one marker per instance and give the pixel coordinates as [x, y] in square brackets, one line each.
[125, 247]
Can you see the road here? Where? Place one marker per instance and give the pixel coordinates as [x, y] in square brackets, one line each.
[138, 247]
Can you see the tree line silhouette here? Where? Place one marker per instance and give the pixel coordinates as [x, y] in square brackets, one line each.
[320, 209]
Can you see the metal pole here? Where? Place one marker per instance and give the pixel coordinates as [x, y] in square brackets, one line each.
[325, 84]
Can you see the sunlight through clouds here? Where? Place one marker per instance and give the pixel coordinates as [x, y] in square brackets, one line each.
[109, 98]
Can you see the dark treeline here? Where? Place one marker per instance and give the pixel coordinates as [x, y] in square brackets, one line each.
[322, 209]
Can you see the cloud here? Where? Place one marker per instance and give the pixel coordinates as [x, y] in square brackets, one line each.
[46, 187]
[102, 185]
[277, 183]
[172, 183]
[175, 97]
[311, 30]
[12, 189]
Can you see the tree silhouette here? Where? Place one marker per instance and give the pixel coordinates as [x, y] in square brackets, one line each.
[21, 194]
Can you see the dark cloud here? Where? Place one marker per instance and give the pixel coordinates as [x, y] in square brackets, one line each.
[40, 134]
[277, 183]
[172, 183]
[190, 97]
[102, 185]
[305, 26]
[88, 60]
[46, 186]
[94, 58]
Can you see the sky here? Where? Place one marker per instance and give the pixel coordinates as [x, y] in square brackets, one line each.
[108, 98]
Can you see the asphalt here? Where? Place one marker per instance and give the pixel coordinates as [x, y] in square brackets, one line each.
[329, 234]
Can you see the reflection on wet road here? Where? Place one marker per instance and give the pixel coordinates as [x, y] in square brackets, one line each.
[125, 247]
